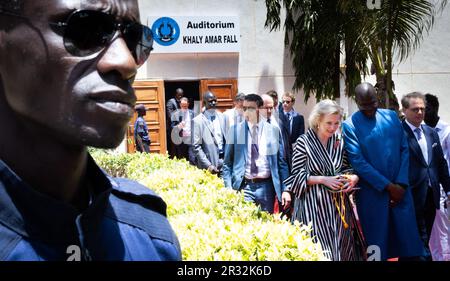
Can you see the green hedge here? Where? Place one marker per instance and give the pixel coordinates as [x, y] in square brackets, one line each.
[212, 222]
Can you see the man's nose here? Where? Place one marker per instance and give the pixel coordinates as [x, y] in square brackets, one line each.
[117, 57]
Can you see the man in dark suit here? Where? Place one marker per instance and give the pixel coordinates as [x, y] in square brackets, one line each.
[172, 106]
[293, 121]
[182, 126]
[427, 165]
[281, 120]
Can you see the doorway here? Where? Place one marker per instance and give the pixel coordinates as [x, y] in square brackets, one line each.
[191, 91]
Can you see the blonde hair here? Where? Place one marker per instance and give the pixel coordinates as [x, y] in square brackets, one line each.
[290, 95]
[321, 109]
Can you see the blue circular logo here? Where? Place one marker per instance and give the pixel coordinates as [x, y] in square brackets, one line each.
[166, 31]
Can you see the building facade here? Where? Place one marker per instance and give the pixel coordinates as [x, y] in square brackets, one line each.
[256, 63]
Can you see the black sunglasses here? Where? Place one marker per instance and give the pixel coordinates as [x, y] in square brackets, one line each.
[86, 32]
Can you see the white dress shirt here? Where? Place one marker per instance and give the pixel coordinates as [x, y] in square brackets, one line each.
[262, 162]
[422, 141]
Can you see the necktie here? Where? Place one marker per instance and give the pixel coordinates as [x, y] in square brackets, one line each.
[238, 118]
[268, 120]
[418, 133]
[254, 152]
[422, 144]
[288, 117]
[212, 118]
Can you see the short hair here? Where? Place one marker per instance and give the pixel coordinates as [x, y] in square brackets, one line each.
[291, 95]
[273, 94]
[140, 108]
[254, 97]
[179, 90]
[414, 95]
[266, 97]
[184, 99]
[206, 94]
[239, 97]
[432, 100]
[321, 109]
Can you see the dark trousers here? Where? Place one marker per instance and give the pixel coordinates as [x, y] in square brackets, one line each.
[146, 146]
[185, 151]
[261, 193]
[170, 144]
[425, 214]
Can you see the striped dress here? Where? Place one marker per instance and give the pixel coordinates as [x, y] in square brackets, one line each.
[327, 211]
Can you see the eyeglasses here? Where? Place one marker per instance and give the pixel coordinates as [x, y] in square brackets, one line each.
[248, 108]
[417, 109]
[88, 31]
[287, 101]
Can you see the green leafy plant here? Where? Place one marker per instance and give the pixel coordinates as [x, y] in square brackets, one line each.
[212, 222]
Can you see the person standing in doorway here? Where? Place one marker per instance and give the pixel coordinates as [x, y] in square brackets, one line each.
[182, 124]
[172, 106]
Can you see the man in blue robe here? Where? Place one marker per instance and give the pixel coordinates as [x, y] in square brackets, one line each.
[378, 151]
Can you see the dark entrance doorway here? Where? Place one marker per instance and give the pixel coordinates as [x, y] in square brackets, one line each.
[191, 90]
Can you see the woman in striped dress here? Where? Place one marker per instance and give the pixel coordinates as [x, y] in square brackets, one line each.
[321, 182]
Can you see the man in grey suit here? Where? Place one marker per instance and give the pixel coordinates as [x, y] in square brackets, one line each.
[254, 161]
[209, 136]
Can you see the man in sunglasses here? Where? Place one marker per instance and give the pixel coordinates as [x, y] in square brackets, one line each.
[66, 73]
[209, 136]
[292, 121]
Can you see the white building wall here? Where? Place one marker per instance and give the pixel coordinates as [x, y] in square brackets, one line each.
[263, 63]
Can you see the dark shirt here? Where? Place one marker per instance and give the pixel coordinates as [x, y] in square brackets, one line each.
[140, 128]
[124, 221]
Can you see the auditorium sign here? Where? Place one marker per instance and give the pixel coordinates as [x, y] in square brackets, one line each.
[196, 34]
